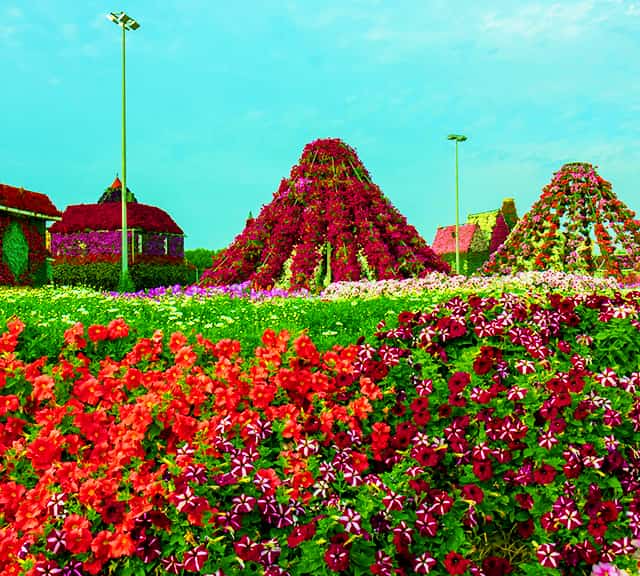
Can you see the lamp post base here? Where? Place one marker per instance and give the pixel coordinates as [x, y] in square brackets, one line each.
[125, 284]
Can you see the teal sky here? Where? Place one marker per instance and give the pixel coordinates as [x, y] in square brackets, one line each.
[223, 96]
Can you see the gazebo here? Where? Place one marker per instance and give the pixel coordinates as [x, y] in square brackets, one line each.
[23, 217]
[93, 232]
[87, 244]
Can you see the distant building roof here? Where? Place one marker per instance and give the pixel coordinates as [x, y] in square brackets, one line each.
[445, 240]
[108, 216]
[35, 204]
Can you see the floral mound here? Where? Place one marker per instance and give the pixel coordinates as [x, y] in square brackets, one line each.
[577, 225]
[486, 436]
[327, 222]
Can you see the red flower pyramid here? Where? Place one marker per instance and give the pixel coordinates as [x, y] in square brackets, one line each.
[578, 225]
[327, 222]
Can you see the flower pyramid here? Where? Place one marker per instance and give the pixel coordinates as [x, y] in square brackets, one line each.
[577, 225]
[327, 222]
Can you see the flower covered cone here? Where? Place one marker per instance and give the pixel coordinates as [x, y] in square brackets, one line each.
[578, 225]
[327, 222]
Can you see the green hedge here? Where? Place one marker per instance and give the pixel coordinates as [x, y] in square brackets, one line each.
[105, 275]
[469, 262]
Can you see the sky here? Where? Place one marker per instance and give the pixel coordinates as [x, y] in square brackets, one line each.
[223, 96]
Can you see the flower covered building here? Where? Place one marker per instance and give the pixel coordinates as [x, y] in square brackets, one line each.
[87, 244]
[327, 222]
[93, 232]
[480, 237]
[23, 217]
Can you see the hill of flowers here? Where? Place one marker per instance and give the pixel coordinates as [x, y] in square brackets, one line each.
[578, 225]
[482, 435]
[327, 222]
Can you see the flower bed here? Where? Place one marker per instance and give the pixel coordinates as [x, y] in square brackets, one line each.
[484, 435]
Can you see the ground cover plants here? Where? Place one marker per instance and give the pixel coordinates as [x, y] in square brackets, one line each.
[477, 431]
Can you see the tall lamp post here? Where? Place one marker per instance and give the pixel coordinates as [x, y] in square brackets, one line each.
[457, 138]
[126, 23]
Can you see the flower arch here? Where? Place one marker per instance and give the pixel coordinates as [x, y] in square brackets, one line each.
[577, 225]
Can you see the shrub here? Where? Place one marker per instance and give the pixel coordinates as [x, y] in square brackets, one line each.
[99, 275]
[105, 275]
[201, 258]
[150, 275]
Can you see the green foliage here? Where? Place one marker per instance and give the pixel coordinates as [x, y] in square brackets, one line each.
[98, 275]
[201, 258]
[15, 249]
[106, 275]
[150, 275]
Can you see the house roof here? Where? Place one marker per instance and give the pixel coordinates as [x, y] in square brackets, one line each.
[486, 220]
[108, 216]
[15, 199]
[445, 240]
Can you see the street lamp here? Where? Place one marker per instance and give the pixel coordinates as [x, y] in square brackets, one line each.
[126, 23]
[457, 138]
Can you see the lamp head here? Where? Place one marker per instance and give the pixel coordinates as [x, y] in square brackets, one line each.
[457, 137]
[123, 20]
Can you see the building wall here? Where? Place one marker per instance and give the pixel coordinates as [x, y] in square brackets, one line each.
[107, 244]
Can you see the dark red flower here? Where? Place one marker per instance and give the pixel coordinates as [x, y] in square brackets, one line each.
[458, 382]
[337, 557]
[455, 563]
[525, 529]
[472, 492]
[482, 364]
[422, 417]
[482, 469]
[545, 474]
[496, 566]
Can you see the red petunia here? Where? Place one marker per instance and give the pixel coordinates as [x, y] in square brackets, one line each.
[97, 333]
[455, 563]
[77, 534]
[44, 451]
[337, 557]
[545, 474]
[496, 566]
[458, 382]
[118, 329]
[483, 469]
[472, 492]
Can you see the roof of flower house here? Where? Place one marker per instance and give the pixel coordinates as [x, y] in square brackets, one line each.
[106, 214]
[19, 200]
[486, 220]
[445, 240]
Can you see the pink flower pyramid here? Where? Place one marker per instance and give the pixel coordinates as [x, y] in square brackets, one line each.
[327, 222]
[578, 225]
